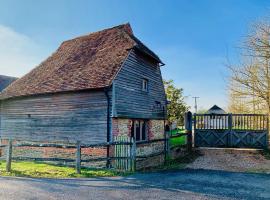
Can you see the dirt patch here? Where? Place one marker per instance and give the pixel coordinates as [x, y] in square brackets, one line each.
[236, 160]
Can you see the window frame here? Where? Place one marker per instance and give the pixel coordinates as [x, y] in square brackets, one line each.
[134, 130]
[145, 85]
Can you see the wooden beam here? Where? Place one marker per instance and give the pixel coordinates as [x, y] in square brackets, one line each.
[78, 158]
[188, 126]
[9, 156]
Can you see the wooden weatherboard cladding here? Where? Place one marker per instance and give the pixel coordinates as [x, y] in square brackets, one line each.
[66, 117]
[64, 98]
[129, 100]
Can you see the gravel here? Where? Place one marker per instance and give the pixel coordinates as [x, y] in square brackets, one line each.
[236, 160]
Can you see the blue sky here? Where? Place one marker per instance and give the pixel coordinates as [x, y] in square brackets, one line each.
[195, 38]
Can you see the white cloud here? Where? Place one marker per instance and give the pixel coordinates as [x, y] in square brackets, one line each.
[18, 53]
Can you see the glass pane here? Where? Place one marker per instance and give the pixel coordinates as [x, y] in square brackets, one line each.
[143, 130]
[132, 129]
[145, 85]
[138, 135]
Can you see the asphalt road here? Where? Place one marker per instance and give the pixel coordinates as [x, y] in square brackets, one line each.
[184, 184]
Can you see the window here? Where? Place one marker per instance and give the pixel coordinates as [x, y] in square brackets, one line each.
[139, 130]
[145, 85]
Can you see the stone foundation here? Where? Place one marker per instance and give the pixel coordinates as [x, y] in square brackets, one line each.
[155, 130]
[120, 127]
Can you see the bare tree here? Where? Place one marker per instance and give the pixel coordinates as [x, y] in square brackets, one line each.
[250, 81]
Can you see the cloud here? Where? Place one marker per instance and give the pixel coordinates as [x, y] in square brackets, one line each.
[18, 53]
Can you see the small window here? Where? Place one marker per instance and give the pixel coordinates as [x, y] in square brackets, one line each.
[145, 85]
[139, 130]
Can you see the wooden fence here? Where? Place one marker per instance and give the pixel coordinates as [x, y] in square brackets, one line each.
[231, 130]
[123, 152]
[78, 160]
[231, 121]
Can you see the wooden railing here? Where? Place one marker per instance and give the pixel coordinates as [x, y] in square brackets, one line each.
[124, 154]
[231, 121]
[77, 159]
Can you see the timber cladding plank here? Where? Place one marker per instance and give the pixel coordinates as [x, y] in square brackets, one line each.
[130, 101]
[57, 117]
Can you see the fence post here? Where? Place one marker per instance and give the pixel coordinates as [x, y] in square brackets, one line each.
[188, 127]
[9, 156]
[133, 155]
[267, 135]
[78, 158]
[167, 145]
[230, 129]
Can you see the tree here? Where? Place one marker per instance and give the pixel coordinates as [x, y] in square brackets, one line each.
[177, 106]
[201, 111]
[238, 103]
[250, 81]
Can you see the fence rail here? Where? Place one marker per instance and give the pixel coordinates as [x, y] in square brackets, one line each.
[231, 130]
[231, 121]
[123, 152]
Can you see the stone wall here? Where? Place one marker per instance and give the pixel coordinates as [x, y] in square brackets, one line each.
[155, 129]
[120, 127]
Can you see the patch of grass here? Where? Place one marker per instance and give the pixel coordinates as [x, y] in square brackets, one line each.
[258, 171]
[179, 140]
[177, 131]
[42, 170]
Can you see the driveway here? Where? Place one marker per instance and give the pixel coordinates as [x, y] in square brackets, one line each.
[235, 160]
[183, 184]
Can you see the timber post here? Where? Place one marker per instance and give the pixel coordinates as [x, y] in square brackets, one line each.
[133, 155]
[188, 127]
[9, 156]
[230, 121]
[267, 135]
[78, 158]
[167, 145]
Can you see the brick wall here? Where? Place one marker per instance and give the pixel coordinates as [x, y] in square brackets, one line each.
[156, 129]
[122, 127]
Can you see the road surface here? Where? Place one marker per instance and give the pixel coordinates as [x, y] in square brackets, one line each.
[184, 184]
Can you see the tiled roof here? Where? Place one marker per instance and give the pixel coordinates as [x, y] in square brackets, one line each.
[87, 62]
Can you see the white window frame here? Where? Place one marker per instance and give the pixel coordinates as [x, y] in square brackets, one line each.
[141, 129]
[145, 85]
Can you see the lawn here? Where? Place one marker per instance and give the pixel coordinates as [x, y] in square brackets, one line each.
[42, 170]
[179, 140]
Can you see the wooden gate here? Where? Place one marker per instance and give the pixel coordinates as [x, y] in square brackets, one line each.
[124, 153]
[231, 130]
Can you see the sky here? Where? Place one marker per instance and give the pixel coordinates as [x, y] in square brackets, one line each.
[196, 39]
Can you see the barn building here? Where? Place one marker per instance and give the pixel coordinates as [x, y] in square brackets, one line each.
[92, 89]
[216, 118]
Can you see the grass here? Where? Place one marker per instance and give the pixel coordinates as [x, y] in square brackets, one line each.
[179, 140]
[42, 170]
